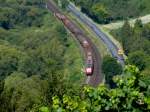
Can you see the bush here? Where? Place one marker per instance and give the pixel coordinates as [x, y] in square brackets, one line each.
[110, 68]
[138, 58]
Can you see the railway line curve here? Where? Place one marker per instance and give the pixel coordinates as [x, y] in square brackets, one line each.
[95, 77]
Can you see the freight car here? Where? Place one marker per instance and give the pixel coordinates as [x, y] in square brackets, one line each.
[59, 16]
[83, 41]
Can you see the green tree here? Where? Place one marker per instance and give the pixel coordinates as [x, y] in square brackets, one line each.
[1, 90]
[138, 58]
[118, 9]
[9, 60]
[145, 78]
[110, 68]
[146, 31]
[135, 39]
[1, 86]
[7, 17]
[138, 23]
[44, 109]
[35, 53]
[22, 93]
[126, 33]
[100, 12]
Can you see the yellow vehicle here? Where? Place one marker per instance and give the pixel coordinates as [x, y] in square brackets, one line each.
[120, 52]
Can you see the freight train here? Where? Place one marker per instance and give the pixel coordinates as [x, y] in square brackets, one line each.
[89, 64]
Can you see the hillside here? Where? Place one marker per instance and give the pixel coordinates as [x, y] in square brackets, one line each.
[41, 65]
[105, 11]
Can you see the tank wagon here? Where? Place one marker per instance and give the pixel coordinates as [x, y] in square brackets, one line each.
[89, 64]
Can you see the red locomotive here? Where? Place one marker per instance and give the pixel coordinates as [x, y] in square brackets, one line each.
[89, 65]
[85, 43]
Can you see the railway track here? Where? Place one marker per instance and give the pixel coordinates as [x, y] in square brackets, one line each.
[96, 77]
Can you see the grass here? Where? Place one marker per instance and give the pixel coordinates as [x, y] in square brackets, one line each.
[145, 19]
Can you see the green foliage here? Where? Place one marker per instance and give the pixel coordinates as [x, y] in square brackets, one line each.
[22, 92]
[44, 109]
[145, 79]
[9, 60]
[126, 32]
[138, 58]
[35, 53]
[100, 12]
[146, 31]
[138, 23]
[136, 44]
[128, 96]
[62, 3]
[25, 15]
[110, 68]
[1, 86]
[113, 9]
[38, 60]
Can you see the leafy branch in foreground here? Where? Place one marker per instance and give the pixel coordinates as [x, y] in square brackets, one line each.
[129, 95]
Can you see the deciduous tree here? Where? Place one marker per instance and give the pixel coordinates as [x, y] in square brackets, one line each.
[110, 68]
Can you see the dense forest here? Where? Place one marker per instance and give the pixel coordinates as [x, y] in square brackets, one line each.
[37, 57]
[40, 65]
[105, 11]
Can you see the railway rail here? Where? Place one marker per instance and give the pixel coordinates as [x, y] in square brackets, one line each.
[96, 77]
